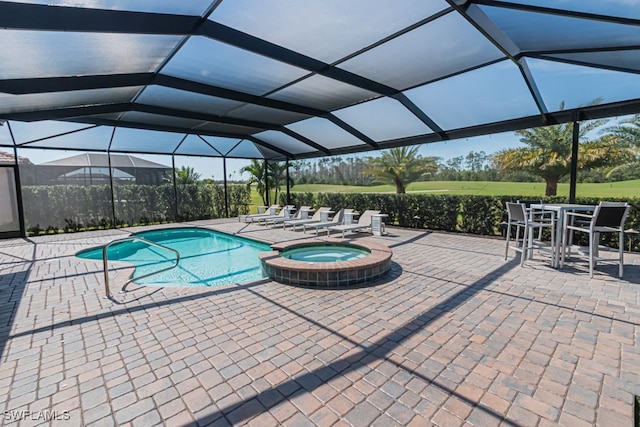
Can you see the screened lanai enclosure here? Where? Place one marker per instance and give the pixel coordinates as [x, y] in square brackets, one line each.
[287, 79]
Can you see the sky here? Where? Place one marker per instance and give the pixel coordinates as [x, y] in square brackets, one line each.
[460, 147]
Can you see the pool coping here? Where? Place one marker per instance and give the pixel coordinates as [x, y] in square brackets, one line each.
[332, 275]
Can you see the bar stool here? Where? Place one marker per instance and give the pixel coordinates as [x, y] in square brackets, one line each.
[609, 217]
[519, 218]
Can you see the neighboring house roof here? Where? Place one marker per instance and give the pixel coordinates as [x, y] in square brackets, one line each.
[6, 158]
[98, 160]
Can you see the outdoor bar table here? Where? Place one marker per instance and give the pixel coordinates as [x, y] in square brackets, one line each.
[559, 209]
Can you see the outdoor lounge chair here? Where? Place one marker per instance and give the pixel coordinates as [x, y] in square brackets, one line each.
[271, 211]
[284, 213]
[363, 222]
[281, 219]
[315, 218]
[337, 219]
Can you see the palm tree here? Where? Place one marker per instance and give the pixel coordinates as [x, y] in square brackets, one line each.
[548, 152]
[401, 166]
[627, 131]
[277, 172]
[256, 171]
[186, 175]
[626, 171]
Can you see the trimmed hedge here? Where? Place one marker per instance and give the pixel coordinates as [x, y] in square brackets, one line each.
[78, 207]
[467, 214]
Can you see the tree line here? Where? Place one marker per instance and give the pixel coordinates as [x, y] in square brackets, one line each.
[606, 153]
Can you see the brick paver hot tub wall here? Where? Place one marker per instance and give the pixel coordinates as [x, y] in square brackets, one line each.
[326, 274]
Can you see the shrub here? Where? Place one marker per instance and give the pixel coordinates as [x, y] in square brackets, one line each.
[468, 214]
[480, 214]
[76, 207]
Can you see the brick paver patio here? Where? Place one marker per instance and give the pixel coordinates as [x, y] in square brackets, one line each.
[454, 335]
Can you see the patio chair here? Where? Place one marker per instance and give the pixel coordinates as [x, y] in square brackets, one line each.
[520, 218]
[270, 212]
[285, 212]
[281, 220]
[337, 219]
[533, 213]
[608, 217]
[363, 222]
[315, 218]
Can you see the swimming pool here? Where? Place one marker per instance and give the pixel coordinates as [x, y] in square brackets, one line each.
[207, 257]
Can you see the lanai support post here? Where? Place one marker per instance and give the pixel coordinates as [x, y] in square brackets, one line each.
[113, 193]
[226, 191]
[266, 181]
[288, 186]
[175, 188]
[574, 161]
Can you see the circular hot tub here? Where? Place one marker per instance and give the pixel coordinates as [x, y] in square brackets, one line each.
[325, 253]
[330, 263]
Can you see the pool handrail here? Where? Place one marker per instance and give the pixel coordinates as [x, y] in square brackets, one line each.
[105, 249]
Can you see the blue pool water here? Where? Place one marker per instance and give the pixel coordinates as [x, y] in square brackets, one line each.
[325, 253]
[207, 258]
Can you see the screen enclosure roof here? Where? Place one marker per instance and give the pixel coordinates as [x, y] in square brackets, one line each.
[287, 79]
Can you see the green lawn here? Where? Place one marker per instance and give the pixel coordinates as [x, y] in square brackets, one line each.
[486, 188]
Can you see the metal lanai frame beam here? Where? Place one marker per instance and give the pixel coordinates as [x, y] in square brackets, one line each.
[558, 12]
[68, 112]
[271, 147]
[21, 16]
[590, 112]
[64, 84]
[193, 115]
[227, 120]
[306, 140]
[239, 39]
[475, 17]
[173, 129]
[205, 89]
[57, 18]
[586, 64]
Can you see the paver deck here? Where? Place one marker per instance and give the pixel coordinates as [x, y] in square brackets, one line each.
[454, 335]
